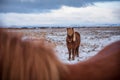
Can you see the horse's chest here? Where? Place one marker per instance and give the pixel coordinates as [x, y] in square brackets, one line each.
[71, 44]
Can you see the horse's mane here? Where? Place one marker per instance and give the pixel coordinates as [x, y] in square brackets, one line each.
[27, 60]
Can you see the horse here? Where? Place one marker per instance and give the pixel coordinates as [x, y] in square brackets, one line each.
[36, 60]
[73, 43]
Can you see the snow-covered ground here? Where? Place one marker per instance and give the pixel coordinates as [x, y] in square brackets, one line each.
[92, 40]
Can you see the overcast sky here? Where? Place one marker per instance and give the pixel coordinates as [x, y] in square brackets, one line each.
[59, 12]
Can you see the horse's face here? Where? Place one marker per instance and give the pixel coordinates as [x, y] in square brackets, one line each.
[70, 31]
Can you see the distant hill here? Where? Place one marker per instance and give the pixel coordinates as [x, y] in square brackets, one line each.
[63, 26]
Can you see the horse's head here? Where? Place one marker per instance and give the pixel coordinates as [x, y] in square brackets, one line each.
[70, 33]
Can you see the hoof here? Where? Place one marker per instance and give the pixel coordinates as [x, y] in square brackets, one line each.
[73, 58]
[69, 59]
[77, 55]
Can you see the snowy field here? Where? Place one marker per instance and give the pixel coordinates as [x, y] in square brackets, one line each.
[92, 40]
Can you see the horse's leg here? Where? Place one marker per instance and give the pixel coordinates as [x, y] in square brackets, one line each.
[73, 54]
[77, 51]
[69, 51]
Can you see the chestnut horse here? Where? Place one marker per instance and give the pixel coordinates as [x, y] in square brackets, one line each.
[34, 60]
[73, 42]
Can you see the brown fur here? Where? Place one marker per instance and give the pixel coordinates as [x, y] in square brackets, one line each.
[73, 42]
[104, 66]
[26, 60]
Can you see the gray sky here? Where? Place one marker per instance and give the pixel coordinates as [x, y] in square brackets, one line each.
[59, 12]
[30, 6]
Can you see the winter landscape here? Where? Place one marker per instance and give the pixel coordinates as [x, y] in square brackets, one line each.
[92, 40]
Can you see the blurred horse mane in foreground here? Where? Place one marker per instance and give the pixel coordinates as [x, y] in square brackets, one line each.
[31, 60]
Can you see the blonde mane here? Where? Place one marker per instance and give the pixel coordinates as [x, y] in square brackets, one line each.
[27, 60]
[74, 37]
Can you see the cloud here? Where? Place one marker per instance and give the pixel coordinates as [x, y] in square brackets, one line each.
[30, 6]
[98, 13]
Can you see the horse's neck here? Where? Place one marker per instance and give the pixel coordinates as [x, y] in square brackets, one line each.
[103, 66]
[76, 72]
[93, 71]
